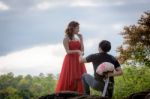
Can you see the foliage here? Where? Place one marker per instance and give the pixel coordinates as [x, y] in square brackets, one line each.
[136, 45]
[26, 87]
[134, 79]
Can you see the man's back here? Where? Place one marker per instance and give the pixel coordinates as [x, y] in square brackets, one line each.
[99, 58]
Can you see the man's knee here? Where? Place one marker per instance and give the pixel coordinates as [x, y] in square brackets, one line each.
[84, 76]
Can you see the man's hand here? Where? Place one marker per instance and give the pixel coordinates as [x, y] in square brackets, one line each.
[81, 59]
[117, 72]
[108, 74]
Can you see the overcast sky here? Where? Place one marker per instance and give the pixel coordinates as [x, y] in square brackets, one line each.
[31, 31]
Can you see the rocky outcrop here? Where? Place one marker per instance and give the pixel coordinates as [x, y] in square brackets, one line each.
[140, 95]
[75, 95]
[71, 95]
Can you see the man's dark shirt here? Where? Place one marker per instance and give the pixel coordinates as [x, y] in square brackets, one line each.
[99, 58]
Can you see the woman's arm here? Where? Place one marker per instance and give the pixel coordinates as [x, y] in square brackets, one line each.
[66, 46]
[81, 41]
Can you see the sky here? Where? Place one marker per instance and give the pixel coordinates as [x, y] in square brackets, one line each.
[32, 31]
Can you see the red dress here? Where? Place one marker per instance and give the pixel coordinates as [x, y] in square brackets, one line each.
[72, 70]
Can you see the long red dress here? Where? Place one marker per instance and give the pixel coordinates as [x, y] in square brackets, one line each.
[72, 70]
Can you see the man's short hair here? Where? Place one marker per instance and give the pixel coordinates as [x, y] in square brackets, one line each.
[105, 45]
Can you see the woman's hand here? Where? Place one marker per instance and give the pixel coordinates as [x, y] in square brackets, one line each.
[79, 52]
[80, 36]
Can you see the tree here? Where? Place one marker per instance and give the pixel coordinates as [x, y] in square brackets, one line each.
[136, 45]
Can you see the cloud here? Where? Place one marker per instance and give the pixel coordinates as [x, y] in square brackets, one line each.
[92, 44]
[83, 3]
[45, 5]
[118, 26]
[89, 25]
[45, 59]
[102, 3]
[20, 5]
[3, 6]
[36, 60]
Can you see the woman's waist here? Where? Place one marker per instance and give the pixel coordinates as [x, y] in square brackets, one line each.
[74, 49]
[72, 54]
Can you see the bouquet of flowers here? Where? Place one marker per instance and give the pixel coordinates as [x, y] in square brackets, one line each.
[104, 68]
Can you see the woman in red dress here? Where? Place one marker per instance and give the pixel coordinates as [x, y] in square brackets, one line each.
[72, 70]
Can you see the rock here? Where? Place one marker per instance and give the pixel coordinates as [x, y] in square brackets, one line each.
[75, 95]
[140, 95]
[70, 95]
[61, 95]
[147, 96]
[89, 97]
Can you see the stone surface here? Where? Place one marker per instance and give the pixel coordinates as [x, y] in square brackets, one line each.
[70, 95]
